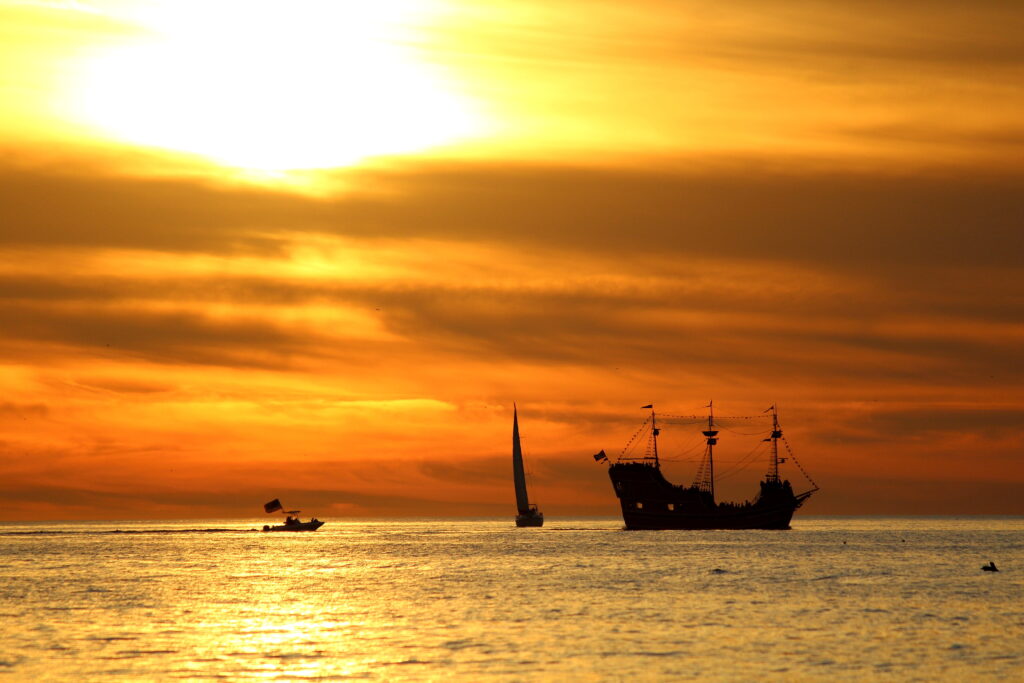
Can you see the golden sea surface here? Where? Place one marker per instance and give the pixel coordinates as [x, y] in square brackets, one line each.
[580, 599]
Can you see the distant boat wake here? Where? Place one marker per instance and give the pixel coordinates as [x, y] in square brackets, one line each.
[107, 532]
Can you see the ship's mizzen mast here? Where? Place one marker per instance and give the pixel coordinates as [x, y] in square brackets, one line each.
[654, 438]
[522, 502]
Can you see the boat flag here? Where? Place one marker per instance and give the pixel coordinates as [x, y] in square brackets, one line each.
[598, 457]
[273, 505]
[650, 406]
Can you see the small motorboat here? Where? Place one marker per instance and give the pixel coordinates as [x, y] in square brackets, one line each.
[294, 524]
[990, 567]
[292, 521]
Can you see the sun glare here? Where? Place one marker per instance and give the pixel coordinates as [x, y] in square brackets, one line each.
[275, 86]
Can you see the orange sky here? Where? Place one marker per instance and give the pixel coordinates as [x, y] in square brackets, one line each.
[312, 251]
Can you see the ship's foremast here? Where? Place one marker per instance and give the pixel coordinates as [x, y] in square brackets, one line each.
[773, 466]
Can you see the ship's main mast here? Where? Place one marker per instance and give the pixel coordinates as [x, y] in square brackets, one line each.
[711, 433]
[773, 468]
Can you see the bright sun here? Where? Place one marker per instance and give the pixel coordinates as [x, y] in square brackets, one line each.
[272, 86]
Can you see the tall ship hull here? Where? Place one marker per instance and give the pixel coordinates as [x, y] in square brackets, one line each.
[649, 501]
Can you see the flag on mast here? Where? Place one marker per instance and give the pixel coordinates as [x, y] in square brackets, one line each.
[273, 506]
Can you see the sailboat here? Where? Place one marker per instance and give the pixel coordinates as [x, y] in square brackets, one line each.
[649, 501]
[527, 513]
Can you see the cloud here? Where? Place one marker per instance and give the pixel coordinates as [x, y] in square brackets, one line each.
[830, 220]
[24, 411]
[56, 209]
[838, 246]
[805, 219]
[915, 279]
[566, 486]
[900, 495]
[90, 504]
[987, 421]
[674, 326]
[161, 337]
[124, 386]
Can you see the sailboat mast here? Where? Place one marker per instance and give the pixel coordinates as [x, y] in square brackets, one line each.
[518, 473]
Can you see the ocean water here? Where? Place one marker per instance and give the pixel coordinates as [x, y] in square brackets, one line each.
[580, 599]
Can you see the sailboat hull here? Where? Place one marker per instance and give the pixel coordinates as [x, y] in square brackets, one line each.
[649, 501]
[533, 518]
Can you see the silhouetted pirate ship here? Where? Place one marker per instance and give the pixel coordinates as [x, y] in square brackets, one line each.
[649, 501]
